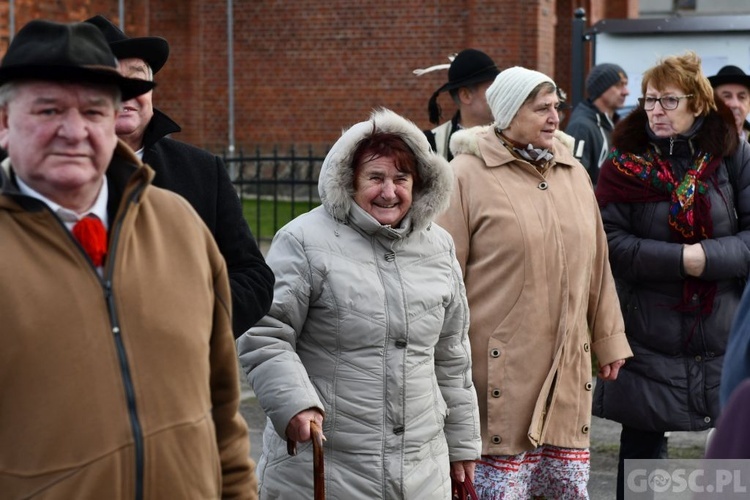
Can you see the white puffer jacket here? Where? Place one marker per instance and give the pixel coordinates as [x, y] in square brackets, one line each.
[369, 324]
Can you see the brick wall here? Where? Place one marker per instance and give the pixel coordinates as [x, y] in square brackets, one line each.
[305, 69]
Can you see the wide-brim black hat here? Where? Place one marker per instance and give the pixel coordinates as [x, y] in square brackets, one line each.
[152, 49]
[76, 52]
[730, 74]
[470, 66]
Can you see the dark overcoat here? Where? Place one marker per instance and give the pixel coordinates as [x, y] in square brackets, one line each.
[672, 382]
[202, 179]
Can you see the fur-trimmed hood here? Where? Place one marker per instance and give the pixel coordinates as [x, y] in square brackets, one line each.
[336, 182]
[717, 135]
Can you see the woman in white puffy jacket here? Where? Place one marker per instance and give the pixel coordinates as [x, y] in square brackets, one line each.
[367, 333]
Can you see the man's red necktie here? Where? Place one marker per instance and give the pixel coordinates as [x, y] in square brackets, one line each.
[92, 236]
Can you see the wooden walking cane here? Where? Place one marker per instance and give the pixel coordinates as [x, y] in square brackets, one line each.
[319, 480]
[319, 483]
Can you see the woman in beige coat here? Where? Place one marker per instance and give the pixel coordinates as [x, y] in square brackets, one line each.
[531, 245]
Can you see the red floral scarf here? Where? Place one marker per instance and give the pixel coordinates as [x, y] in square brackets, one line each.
[629, 178]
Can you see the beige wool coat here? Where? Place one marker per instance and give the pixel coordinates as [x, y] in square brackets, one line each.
[535, 263]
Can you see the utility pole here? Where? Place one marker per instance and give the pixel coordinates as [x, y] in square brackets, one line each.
[579, 26]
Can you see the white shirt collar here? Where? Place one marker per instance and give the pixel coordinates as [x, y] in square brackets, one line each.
[69, 217]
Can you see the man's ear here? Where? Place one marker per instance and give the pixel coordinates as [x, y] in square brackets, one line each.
[465, 95]
[4, 127]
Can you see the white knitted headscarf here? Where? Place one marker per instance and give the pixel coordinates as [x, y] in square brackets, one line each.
[509, 91]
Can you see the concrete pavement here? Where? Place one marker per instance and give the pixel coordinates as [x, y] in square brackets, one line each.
[605, 439]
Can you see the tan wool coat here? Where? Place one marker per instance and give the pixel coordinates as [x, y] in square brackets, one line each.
[535, 262]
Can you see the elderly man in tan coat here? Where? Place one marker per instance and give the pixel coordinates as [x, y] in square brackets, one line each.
[119, 371]
[530, 241]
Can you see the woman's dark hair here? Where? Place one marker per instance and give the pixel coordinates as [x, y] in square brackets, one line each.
[389, 145]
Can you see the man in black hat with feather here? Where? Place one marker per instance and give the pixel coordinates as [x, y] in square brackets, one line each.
[469, 75]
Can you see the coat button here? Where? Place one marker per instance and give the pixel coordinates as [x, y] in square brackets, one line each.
[400, 343]
[585, 429]
[495, 353]
[398, 430]
[707, 419]
[496, 393]
[698, 358]
[543, 185]
[586, 347]
[496, 439]
[588, 386]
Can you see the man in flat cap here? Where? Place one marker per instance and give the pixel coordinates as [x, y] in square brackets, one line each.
[732, 86]
[119, 371]
[196, 174]
[470, 74]
[592, 120]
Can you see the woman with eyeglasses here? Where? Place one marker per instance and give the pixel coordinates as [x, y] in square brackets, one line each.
[675, 201]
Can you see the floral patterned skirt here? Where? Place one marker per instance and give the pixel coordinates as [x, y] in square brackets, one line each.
[547, 472]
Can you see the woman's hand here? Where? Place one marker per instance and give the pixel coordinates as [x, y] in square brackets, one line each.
[693, 259]
[298, 428]
[463, 469]
[610, 371]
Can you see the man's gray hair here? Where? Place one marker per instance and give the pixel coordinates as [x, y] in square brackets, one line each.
[9, 90]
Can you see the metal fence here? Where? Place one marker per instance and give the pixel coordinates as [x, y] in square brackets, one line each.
[276, 187]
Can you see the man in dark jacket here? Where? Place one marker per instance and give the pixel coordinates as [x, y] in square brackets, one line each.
[470, 74]
[593, 119]
[196, 174]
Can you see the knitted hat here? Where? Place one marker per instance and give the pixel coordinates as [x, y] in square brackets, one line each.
[509, 91]
[602, 77]
[470, 67]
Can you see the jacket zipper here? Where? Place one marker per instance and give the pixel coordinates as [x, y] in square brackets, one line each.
[127, 379]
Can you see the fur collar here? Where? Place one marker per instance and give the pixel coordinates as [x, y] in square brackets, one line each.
[717, 135]
[467, 142]
[336, 181]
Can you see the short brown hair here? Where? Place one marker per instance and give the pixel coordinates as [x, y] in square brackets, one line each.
[684, 72]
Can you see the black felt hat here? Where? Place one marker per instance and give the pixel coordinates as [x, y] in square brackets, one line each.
[470, 67]
[730, 74]
[152, 49]
[75, 52]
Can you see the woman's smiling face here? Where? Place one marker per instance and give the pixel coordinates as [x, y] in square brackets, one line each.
[382, 190]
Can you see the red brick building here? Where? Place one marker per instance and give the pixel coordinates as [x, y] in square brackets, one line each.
[305, 69]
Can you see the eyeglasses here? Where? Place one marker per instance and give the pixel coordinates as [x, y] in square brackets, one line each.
[667, 102]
